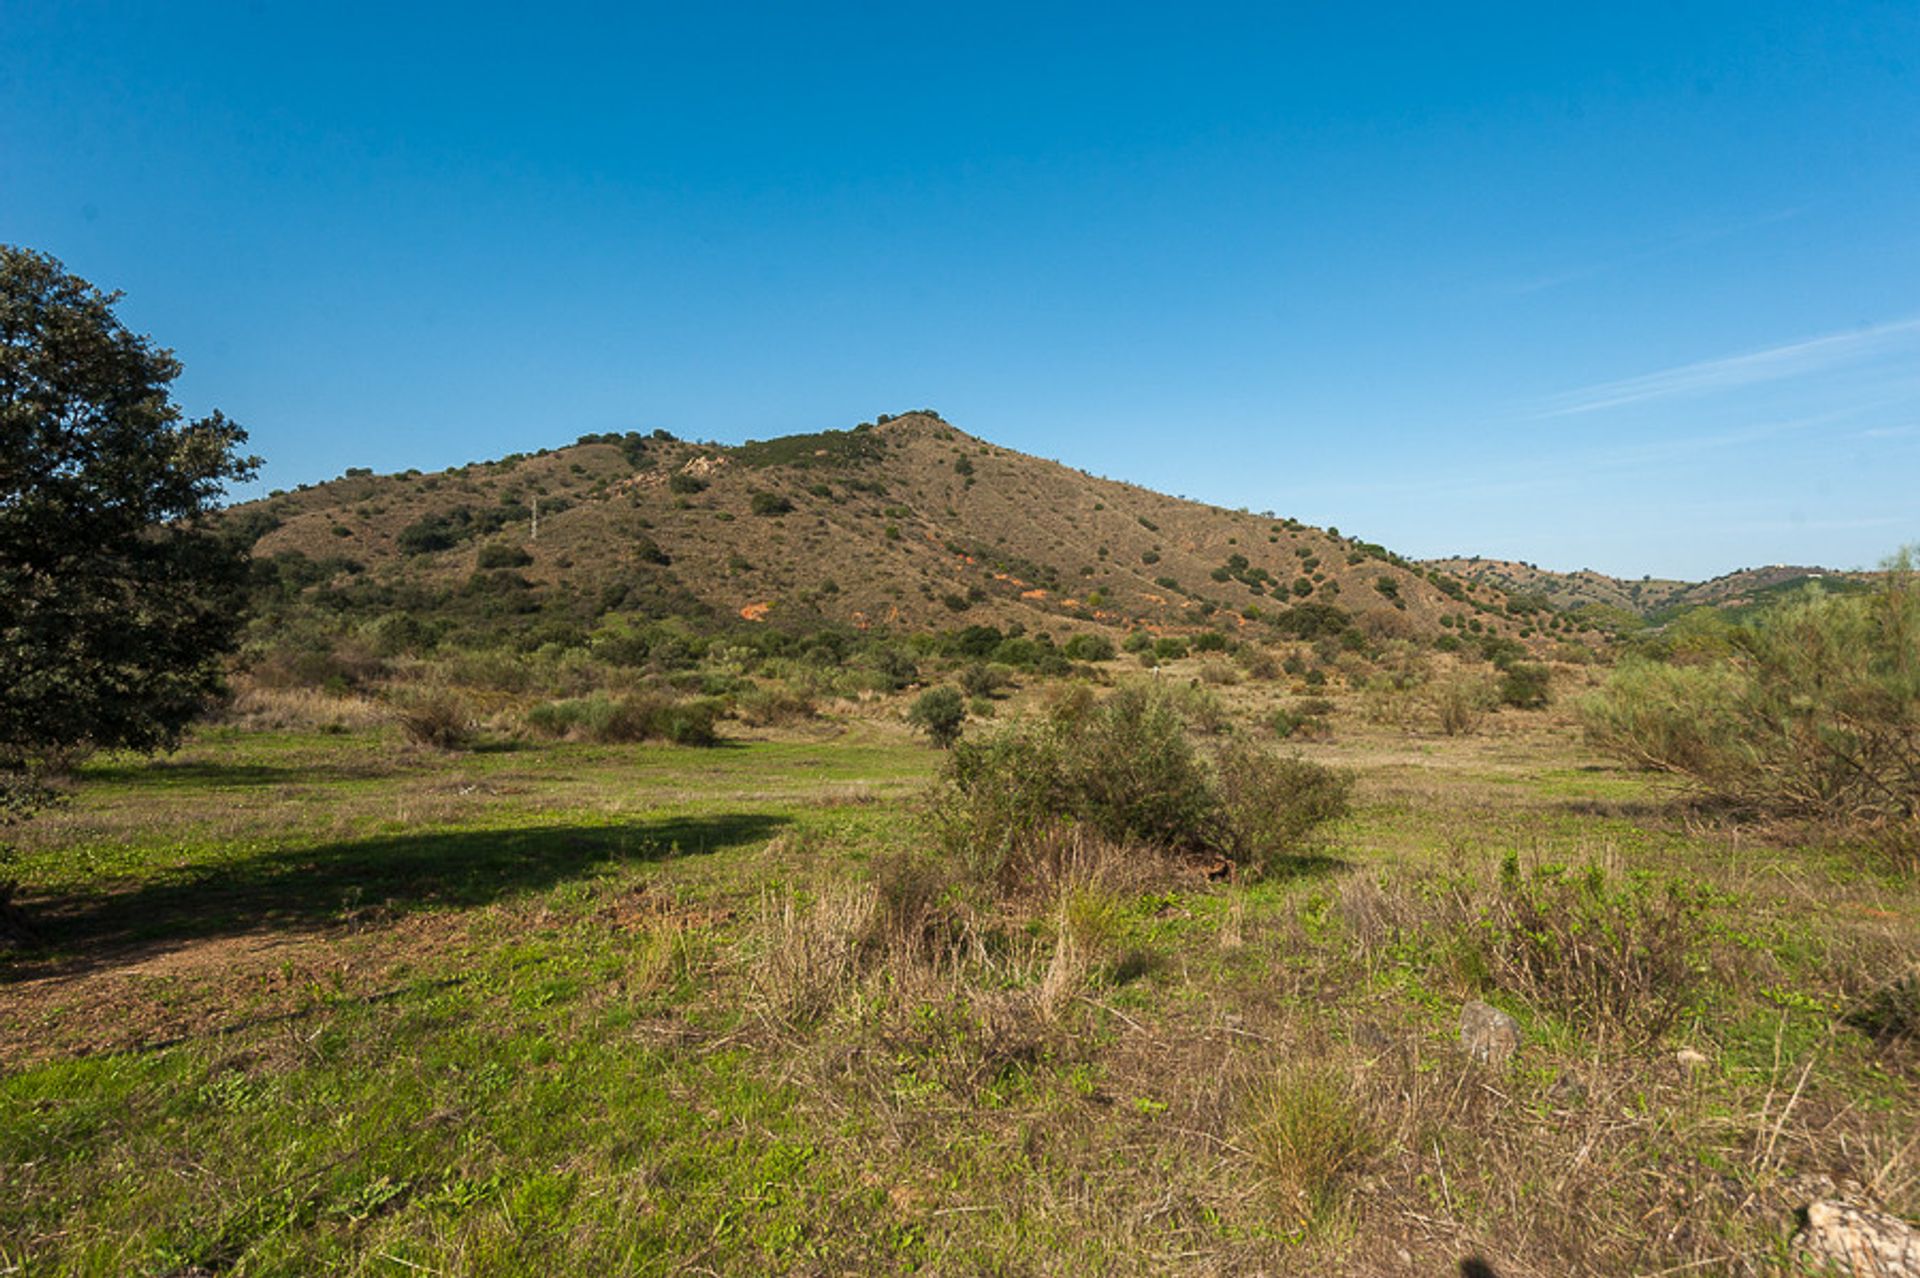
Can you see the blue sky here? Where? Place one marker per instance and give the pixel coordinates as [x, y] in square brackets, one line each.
[1635, 289]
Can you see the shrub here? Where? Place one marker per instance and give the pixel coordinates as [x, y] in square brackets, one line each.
[500, 554]
[1269, 805]
[770, 504]
[1817, 715]
[1088, 647]
[940, 713]
[771, 706]
[641, 716]
[983, 680]
[685, 484]
[1460, 703]
[1297, 721]
[1124, 770]
[1524, 685]
[1169, 649]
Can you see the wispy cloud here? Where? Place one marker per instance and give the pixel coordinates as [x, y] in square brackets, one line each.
[1890, 432]
[1794, 359]
[1651, 252]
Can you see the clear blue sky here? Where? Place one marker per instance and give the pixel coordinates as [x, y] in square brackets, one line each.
[1636, 289]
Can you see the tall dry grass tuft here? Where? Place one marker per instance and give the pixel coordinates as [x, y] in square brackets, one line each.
[810, 955]
[1308, 1133]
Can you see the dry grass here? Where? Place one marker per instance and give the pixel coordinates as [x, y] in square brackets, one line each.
[258, 707]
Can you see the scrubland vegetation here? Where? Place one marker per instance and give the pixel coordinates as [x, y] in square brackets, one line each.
[672, 950]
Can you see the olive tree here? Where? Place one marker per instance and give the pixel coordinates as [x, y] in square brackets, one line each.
[118, 599]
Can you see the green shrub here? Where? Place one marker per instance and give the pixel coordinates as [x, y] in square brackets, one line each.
[1815, 715]
[500, 554]
[1524, 685]
[1088, 647]
[1269, 804]
[983, 680]
[762, 503]
[1124, 770]
[1169, 648]
[1299, 721]
[1617, 958]
[941, 714]
[685, 484]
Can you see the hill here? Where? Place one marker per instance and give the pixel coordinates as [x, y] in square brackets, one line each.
[1650, 598]
[906, 523]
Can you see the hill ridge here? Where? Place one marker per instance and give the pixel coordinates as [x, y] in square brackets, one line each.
[904, 522]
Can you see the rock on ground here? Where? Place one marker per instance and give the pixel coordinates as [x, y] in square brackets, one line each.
[1488, 1034]
[1853, 1242]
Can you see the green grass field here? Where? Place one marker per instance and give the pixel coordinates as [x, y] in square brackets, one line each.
[336, 1004]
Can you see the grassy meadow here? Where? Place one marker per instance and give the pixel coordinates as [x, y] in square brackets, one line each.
[335, 1002]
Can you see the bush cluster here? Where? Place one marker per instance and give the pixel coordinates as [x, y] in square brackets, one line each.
[1125, 769]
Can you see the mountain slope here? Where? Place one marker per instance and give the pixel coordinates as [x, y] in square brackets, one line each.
[907, 523]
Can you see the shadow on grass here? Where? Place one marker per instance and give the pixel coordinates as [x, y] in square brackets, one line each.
[1304, 865]
[308, 887]
[168, 773]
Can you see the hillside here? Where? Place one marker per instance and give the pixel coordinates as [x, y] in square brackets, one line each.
[1648, 597]
[907, 523]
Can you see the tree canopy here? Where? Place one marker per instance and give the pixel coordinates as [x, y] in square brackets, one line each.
[117, 597]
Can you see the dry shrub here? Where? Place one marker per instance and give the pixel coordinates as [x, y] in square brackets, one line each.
[1063, 858]
[1219, 673]
[437, 717]
[1259, 663]
[1201, 709]
[1890, 1014]
[1460, 703]
[1308, 1133]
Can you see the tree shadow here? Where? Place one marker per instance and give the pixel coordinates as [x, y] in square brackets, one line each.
[167, 773]
[311, 887]
[1305, 865]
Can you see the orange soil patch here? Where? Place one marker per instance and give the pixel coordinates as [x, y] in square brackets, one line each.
[756, 611]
